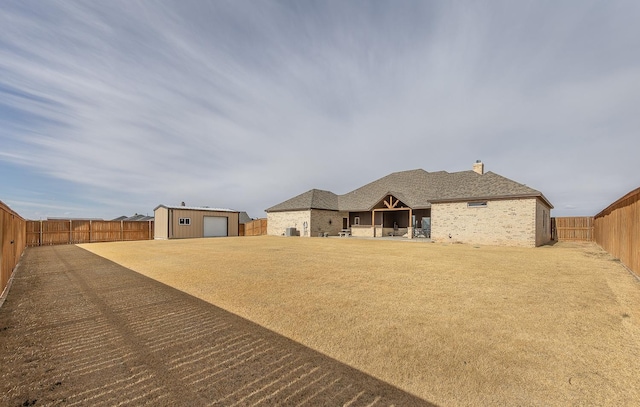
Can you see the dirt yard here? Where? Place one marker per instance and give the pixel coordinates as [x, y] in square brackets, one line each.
[453, 324]
[79, 330]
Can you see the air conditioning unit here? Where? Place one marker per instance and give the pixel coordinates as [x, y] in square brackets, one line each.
[291, 232]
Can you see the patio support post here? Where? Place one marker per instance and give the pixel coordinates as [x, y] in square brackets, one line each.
[410, 228]
[373, 222]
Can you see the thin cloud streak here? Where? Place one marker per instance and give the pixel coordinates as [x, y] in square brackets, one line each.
[246, 104]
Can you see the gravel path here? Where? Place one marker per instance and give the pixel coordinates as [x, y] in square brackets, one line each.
[77, 329]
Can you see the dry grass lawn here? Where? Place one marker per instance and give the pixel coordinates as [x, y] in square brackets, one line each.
[453, 324]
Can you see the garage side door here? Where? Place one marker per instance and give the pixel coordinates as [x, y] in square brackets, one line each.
[215, 226]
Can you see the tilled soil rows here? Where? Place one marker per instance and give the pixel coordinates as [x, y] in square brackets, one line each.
[77, 329]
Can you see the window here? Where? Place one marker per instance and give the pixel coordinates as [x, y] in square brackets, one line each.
[184, 221]
[356, 220]
[479, 204]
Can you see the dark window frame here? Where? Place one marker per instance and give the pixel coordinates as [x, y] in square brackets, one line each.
[477, 204]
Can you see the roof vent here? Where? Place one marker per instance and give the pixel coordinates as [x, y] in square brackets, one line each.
[182, 203]
[478, 167]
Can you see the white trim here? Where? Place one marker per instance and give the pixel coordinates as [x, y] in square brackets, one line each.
[196, 208]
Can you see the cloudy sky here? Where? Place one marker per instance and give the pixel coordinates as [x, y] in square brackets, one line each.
[111, 108]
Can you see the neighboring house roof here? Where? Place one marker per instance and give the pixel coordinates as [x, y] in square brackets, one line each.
[416, 189]
[195, 208]
[244, 217]
[135, 218]
[57, 218]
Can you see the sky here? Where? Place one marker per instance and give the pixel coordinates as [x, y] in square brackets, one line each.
[111, 108]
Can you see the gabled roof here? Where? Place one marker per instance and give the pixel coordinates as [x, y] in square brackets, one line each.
[417, 189]
[312, 199]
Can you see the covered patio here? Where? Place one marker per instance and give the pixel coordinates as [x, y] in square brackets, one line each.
[391, 217]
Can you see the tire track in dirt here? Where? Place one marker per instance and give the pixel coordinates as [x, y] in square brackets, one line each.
[77, 329]
[152, 367]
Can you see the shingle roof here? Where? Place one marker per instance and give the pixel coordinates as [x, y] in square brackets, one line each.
[312, 199]
[415, 188]
[243, 217]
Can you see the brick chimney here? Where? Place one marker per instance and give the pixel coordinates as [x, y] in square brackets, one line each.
[478, 167]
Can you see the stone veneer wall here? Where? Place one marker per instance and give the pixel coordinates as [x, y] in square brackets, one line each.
[501, 222]
[278, 222]
[317, 221]
[320, 222]
[361, 231]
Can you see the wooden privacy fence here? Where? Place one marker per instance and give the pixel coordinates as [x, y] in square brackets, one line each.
[573, 228]
[256, 227]
[52, 232]
[12, 242]
[617, 229]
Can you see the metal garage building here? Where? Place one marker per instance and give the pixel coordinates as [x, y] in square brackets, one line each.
[182, 222]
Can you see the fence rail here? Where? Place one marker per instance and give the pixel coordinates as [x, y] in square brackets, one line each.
[53, 232]
[617, 229]
[256, 227]
[573, 228]
[12, 242]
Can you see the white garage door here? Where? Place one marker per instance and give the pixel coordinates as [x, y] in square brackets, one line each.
[215, 226]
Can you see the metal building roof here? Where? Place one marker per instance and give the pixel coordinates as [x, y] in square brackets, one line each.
[195, 208]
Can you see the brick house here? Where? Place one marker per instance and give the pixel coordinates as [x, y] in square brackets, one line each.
[468, 206]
